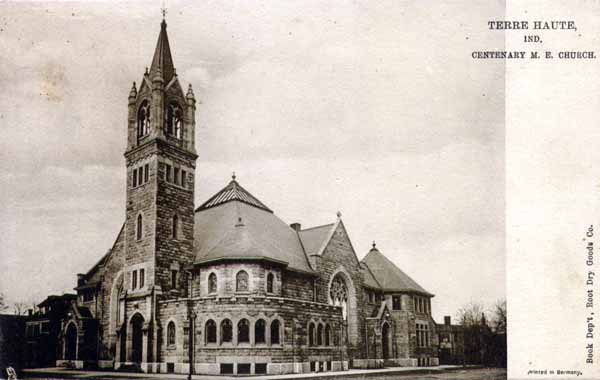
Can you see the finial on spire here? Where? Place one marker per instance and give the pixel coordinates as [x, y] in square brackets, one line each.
[133, 92]
[190, 92]
[146, 72]
[233, 177]
[163, 10]
[339, 214]
[374, 245]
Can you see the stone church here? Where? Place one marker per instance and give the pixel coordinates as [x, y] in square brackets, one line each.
[228, 287]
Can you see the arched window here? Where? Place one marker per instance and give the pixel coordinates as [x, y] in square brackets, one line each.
[143, 119]
[211, 331]
[320, 335]
[259, 331]
[270, 283]
[241, 281]
[173, 120]
[139, 227]
[338, 294]
[327, 335]
[243, 331]
[171, 334]
[275, 332]
[175, 226]
[226, 331]
[212, 283]
[311, 334]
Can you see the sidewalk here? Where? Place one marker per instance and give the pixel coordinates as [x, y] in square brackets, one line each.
[62, 373]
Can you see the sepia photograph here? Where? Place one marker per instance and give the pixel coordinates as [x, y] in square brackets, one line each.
[267, 189]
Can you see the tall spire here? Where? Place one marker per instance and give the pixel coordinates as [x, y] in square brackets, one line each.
[162, 60]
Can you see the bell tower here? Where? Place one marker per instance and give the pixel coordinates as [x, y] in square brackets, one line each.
[160, 160]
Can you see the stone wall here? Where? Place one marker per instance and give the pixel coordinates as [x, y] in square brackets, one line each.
[339, 257]
[226, 278]
[293, 315]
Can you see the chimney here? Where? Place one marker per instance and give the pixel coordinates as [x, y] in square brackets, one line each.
[296, 226]
[447, 320]
[29, 312]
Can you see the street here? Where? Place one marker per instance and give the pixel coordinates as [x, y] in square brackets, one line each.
[459, 374]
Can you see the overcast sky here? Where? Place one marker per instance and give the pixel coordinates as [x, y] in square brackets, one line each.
[372, 108]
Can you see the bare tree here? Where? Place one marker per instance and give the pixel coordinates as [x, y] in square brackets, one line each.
[3, 305]
[471, 314]
[499, 316]
[20, 308]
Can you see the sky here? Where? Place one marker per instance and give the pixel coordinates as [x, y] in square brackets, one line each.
[374, 109]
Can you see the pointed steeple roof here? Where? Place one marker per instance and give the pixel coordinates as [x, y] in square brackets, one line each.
[162, 62]
[233, 192]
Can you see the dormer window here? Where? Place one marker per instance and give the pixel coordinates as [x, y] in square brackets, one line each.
[174, 120]
[143, 119]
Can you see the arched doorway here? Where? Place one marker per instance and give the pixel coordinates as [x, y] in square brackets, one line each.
[385, 340]
[71, 342]
[137, 335]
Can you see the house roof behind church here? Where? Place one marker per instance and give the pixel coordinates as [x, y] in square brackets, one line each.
[234, 225]
[389, 275]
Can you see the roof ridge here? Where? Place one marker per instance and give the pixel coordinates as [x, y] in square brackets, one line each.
[315, 227]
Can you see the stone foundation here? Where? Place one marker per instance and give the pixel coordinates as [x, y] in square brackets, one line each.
[105, 364]
[271, 368]
[77, 364]
[367, 363]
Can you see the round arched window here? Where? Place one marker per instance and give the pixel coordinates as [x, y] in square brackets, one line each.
[226, 331]
[171, 334]
[212, 283]
[211, 331]
[241, 281]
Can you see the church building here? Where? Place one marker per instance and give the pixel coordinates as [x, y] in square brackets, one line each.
[228, 287]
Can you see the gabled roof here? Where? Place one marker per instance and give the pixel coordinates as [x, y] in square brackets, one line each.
[232, 226]
[389, 276]
[52, 298]
[162, 59]
[313, 238]
[233, 192]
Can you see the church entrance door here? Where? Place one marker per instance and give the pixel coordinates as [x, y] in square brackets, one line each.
[137, 323]
[385, 340]
[71, 342]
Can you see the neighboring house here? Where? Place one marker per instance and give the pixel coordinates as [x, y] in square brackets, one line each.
[12, 343]
[260, 296]
[42, 330]
[451, 343]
